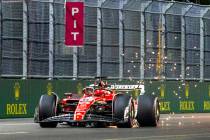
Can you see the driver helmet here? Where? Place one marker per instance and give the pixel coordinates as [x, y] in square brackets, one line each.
[102, 84]
[88, 91]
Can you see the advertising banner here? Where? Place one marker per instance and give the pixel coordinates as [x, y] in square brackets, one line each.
[19, 98]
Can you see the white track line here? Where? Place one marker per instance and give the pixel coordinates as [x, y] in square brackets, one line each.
[186, 117]
[15, 124]
[13, 133]
[164, 136]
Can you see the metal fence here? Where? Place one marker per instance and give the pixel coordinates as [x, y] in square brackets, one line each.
[124, 39]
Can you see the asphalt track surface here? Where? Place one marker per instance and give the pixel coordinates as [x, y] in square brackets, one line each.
[171, 127]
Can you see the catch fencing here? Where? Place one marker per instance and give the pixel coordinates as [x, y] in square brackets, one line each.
[124, 39]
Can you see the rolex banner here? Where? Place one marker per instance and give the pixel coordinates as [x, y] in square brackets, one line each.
[74, 30]
[19, 98]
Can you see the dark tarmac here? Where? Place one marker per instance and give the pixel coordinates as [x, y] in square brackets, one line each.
[171, 127]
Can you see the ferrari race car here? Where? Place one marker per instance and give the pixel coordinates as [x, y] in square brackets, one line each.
[100, 106]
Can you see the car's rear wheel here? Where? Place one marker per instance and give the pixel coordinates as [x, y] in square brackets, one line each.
[47, 108]
[148, 112]
[123, 108]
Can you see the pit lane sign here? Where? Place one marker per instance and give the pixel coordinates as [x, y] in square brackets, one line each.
[74, 30]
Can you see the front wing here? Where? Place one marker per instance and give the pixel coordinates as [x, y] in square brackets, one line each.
[88, 118]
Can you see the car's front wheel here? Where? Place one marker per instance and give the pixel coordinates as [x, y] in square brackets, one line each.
[47, 108]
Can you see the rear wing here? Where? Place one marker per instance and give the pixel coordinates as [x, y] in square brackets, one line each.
[124, 87]
[129, 88]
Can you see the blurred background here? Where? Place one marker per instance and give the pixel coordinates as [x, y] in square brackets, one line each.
[124, 39]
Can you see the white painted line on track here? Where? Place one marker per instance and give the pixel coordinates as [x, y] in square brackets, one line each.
[13, 133]
[186, 117]
[16, 124]
[164, 136]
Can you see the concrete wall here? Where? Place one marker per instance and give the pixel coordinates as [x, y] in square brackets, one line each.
[18, 98]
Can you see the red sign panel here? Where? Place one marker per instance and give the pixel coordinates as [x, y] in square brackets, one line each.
[74, 24]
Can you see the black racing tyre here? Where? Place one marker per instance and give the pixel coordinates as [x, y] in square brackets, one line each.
[148, 111]
[47, 108]
[121, 102]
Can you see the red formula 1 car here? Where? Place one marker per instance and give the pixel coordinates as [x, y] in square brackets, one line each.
[100, 106]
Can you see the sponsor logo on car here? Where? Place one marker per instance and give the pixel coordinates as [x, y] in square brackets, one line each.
[129, 87]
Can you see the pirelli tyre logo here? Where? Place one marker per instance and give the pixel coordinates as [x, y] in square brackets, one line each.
[16, 108]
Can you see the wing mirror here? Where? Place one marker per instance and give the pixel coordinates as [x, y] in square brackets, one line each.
[68, 94]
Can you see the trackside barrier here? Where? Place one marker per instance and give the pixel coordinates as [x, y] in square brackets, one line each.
[18, 98]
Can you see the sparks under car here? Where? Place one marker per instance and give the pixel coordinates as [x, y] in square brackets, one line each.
[100, 106]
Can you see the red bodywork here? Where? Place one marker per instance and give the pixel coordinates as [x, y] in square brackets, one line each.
[89, 102]
[99, 106]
